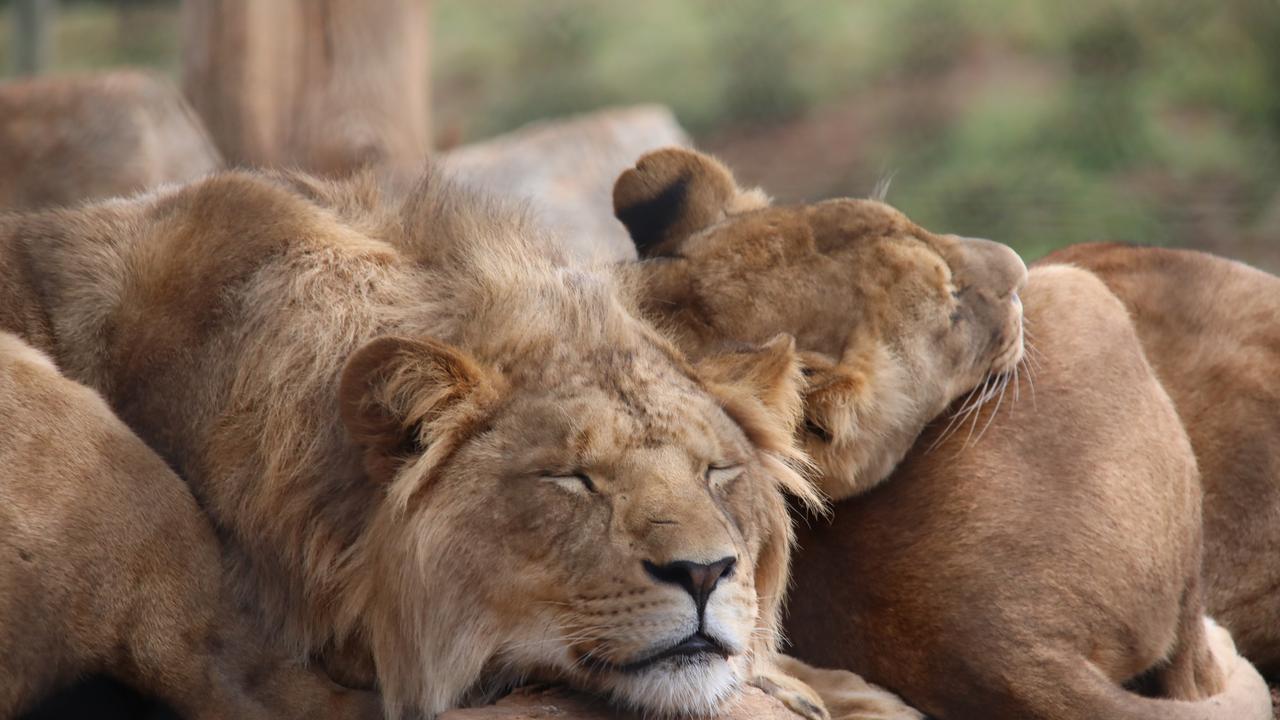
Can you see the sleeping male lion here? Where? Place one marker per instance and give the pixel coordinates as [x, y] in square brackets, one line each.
[440, 460]
[108, 565]
[1211, 329]
[971, 583]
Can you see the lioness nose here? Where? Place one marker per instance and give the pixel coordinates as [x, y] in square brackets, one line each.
[995, 265]
[698, 579]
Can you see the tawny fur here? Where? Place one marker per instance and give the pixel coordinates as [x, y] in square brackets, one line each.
[66, 140]
[1211, 329]
[388, 408]
[107, 565]
[894, 322]
[1032, 573]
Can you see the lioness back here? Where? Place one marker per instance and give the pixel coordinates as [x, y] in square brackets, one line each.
[1211, 329]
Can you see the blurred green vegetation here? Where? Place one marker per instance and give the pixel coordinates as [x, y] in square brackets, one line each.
[1038, 123]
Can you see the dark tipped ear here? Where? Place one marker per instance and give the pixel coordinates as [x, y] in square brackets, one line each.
[399, 396]
[769, 374]
[674, 193]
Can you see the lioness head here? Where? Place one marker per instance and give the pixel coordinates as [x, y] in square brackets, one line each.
[574, 501]
[894, 322]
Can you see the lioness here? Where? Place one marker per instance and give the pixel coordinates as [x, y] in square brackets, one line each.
[1032, 574]
[727, 266]
[440, 460]
[1211, 329]
[893, 321]
[64, 140]
[107, 564]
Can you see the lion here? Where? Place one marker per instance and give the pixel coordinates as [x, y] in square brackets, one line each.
[65, 140]
[441, 461]
[108, 565]
[1042, 570]
[1211, 329]
[894, 322]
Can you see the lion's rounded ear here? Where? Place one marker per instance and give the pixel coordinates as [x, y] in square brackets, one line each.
[761, 388]
[400, 396]
[674, 193]
[769, 374]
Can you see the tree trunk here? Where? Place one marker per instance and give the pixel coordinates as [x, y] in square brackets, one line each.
[32, 36]
[323, 85]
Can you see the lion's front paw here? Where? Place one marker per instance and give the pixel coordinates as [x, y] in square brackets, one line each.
[841, 694]
[796, 695]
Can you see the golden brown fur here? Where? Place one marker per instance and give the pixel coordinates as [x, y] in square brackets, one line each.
[1211, 329]
[108, 565]
[894, 321]
[65, 140]
[1031, 574]
[441, 460]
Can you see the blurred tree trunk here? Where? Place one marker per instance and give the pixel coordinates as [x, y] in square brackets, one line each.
[324, 85]
[33, 36]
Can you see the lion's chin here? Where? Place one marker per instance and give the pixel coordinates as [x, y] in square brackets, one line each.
[677, 687]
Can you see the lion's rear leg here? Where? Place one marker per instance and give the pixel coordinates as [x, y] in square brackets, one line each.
[1191, 671]
[35, 658]
[209, 664]
[184, 654]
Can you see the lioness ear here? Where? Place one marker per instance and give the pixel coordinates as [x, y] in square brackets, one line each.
[768, 374]
[400, 397]
[672, 194]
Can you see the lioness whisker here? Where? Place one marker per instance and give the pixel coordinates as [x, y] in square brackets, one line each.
[972, 401]
[971, 406]
[976, 412]
[959, 413]
[1032, 369]
[1004, 386]
[1016, 383]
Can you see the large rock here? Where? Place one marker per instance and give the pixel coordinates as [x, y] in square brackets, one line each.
[566, 168]
[549, 703]
[67, 140]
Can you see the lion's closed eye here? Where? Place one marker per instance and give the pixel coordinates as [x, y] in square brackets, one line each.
[579, 482]
[718, 476]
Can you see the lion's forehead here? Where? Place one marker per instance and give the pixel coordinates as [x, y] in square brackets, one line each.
[604, 415]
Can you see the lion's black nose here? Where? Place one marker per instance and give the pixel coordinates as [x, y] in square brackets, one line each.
[698, 579]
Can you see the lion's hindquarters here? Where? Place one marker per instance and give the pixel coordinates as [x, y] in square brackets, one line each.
[108, 565]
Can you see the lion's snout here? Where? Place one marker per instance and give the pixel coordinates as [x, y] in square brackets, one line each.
[697, 579]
